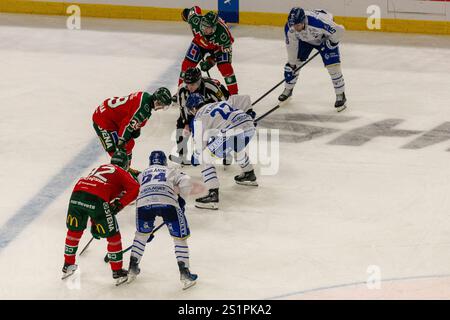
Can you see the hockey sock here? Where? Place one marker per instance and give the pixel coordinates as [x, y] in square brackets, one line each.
[209, 175]
[140, 239]
[227, 71]
[244, 161]
[72, 240]
[337, 78]
[115, 251]
[181, 251]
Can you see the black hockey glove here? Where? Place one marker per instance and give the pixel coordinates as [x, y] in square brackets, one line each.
[115, 206]
[136, 134]
[207, 64]
[251, 113]
[94, 231]
[121, 144]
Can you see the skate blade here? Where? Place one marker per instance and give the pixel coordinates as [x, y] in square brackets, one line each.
[131, 278]
[248, 183]
[121, 281]
[211, 206]
[340, 109]
[188, 284]
[68, 274]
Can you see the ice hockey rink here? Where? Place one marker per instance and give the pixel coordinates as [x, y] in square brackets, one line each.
[358, 208]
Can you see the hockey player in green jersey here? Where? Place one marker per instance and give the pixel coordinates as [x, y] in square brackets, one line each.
[211, 36]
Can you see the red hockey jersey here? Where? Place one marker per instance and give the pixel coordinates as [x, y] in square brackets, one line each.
[107, 182]
[114, 114]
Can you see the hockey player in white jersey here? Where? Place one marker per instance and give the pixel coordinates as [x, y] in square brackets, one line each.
[308, 30]
[162, 193]
[220, 129]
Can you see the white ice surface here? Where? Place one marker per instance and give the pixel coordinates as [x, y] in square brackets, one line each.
[329, 213]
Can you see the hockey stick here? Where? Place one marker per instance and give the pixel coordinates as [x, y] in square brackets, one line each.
[86, 246]
[106, 259]
[282, 81]
[267, 113]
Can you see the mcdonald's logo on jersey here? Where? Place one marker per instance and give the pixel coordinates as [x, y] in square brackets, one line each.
[100, 229]
[72, 221]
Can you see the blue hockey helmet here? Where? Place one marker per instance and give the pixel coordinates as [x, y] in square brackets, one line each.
[194, 101]
[158, 157]
[296, 16]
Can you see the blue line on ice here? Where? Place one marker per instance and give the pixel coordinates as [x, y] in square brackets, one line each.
[300, 292]
[65, 177]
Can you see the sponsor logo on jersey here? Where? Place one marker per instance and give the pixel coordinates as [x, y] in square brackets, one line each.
[100, 229]
[109, 217]
[72, 221]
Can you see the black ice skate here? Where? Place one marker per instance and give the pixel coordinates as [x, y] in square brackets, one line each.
[210, 201]
[68, 270]
[120, 276]
[133, 269]
[187, 278]
[180, 160]
[287, 93]
[340, 102]
[246, 179]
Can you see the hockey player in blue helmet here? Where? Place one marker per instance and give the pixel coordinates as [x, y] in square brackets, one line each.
[220, 130]
[162, 192]
[307, 30]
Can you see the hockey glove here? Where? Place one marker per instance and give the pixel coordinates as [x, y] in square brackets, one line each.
[115, 206]
[207, 64]
[289, 74]
[136, 134]
[122, 143]
[251, 113]
[330, 45]
[94, 231]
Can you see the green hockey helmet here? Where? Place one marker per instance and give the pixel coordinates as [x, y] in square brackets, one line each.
[120, 158]
[163, 96]
[209, 20]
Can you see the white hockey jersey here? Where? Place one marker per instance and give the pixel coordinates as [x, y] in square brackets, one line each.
[161, 185]
[319, 27]
[220, 117]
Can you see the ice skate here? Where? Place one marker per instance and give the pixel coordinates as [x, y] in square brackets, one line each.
[287, 93]
[68, 270]
[340, 102]
[120, 276]
[210, 201]
[133, 269]
[187, 278]
[246, 178]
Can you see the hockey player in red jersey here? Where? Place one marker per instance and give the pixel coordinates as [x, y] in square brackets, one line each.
[100, 196]
[118, 121]
[211, 36]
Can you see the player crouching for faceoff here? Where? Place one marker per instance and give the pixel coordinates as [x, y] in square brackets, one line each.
[118, 120]
[212, 42]
[219, 129]
[308, 30]
[98, 196]
[212, 91]
[157, 197]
